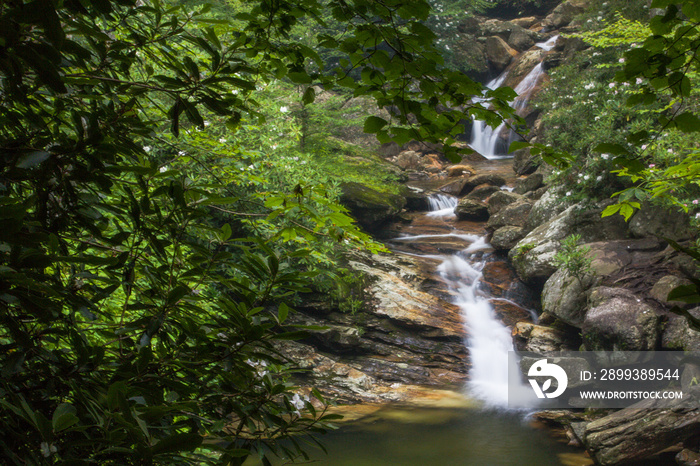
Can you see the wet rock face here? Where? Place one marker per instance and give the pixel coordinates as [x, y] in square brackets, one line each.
[539, 339]
[619, 320]
[370, 208]
[678, 335]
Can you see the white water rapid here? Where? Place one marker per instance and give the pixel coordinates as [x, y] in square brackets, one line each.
[442, 205]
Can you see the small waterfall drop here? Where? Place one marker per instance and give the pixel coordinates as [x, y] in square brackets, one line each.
[442, 205]
[549, 44]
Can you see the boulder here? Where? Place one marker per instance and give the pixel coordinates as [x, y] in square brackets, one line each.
[455, 187]
[524, 163]
[520, 39]
[664, 286]
[416, 200]
[531, 183]
[408, 159]
[514, 214]
[565, 13]
[566, 296]
[501, 199]
[471, 209]
[496, 27]
[538, 339]
[488, 178]
[642, 430]
[537, 194]
[526, 22]
[654, 220]
[370, 208]
[469, 56]
[534, 254]
[483, 192]
[505, 238]
[618, 320]
[460, 170]
[678, 335]
[499, 53]
[545, 209]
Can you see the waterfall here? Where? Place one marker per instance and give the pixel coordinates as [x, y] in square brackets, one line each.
[489, 342]
[487, 141]
[442, 205]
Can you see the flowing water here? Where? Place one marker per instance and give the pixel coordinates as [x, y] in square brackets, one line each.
[479, 430]
[490, 142]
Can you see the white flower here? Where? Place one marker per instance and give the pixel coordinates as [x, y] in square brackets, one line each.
[182, 153]
[295, 158]
[670, 151]
[697, 215]
[222, 140]
[586, 177]
[284, 109]
[604, 156]
[621, 60]
[163, 169]
[568, 193]
[206, 123]
[644, 146]
[234, 92]
[640, 80]
[599, 178]
[297, 402]
[147, 148]
[611, 85]
[47, 450]
[589, 86]
[274, 146]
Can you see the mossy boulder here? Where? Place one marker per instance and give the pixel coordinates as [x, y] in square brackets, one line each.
[369, 207]
[471, 209]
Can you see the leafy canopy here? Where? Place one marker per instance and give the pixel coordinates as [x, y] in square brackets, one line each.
[147, 270]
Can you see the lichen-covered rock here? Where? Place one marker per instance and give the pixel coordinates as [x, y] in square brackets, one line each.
[454, 187]
[471, 209]
[514, 214]
[566, 296]
[505, 238]
[533, 256]
[370, 208]
[688, 457]
[408, 159]
[643, 429]
[524, 163]
[565, 13]
[501, 199]
[531, 183]
[545, 209]
[618, 320]
[499, 53]
[653, 220]
[677, 334]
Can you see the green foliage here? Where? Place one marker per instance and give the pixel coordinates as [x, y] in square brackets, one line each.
[161, 214]
[573, 257]
[524, 249]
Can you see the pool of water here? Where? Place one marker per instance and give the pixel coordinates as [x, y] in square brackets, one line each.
[429, 436]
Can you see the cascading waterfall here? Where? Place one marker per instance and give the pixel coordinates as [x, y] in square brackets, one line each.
[487, 141]
[489, 342]
[442, 205]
